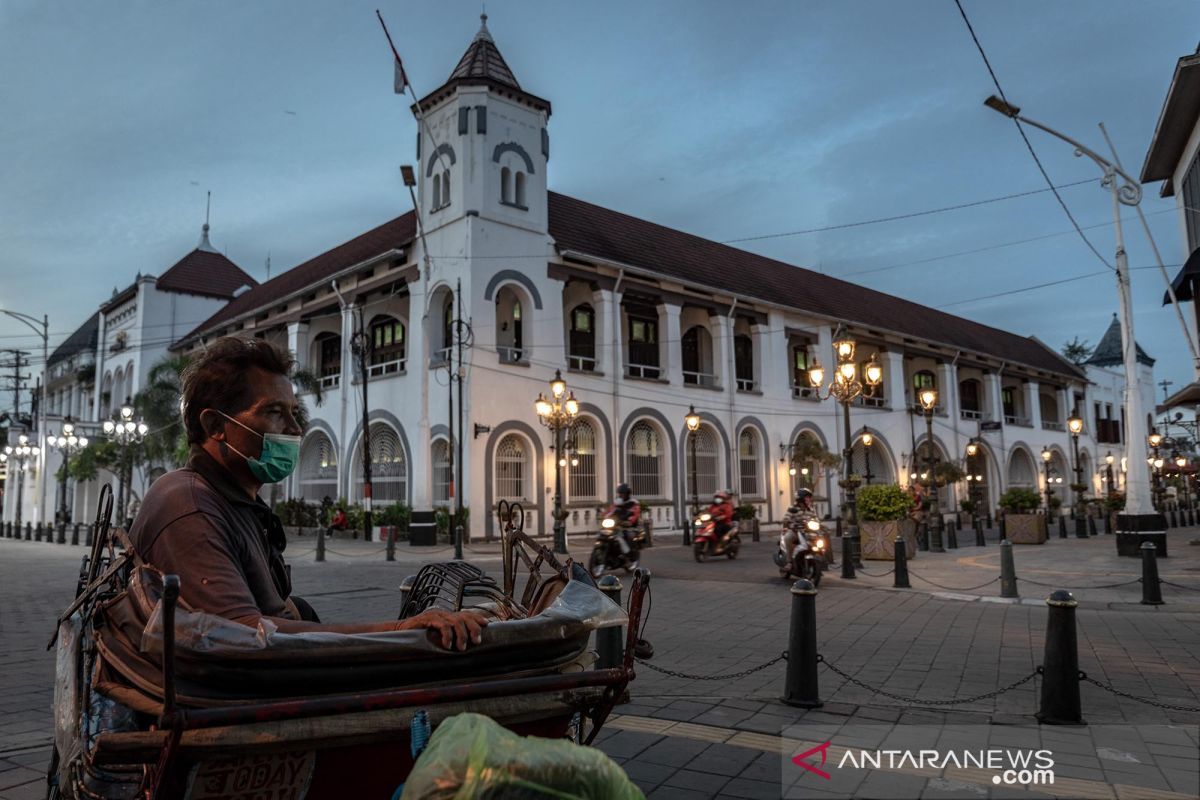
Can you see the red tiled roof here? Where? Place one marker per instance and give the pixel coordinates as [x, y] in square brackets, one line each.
[205, 272]
[483, 60]
[592, 230]
[389, 236]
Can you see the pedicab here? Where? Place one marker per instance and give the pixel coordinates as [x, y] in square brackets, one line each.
[154, 699]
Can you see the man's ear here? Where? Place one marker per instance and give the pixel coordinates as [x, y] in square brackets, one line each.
[213, 424]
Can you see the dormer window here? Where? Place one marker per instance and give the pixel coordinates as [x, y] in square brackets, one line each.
[505, 185]
[512, 188]
[446, 188]
[441, 191]
[520, 189]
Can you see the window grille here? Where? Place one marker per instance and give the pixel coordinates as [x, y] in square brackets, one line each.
[512, 469]
[643, 467]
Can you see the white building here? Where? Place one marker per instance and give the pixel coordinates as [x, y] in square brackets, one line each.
[642, 320]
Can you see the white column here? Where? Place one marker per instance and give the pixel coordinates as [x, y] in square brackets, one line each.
[670, 338]
[893, 379]
[297, 342]
[773, 370]
[1064, 403]
[723, 366]
[1033, 408]
[608, 349]
[994, 406]
[947, 386]
[346, 423]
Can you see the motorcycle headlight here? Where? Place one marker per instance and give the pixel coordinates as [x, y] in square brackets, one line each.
[819, 544]
[705, 517]
[814, 526]
[609, 523]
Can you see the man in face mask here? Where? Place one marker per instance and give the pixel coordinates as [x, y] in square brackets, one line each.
[206, 523]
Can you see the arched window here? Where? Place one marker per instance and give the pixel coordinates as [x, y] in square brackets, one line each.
[130, 383]
[505, 186]
[318, 476]
[696, 347]
[437, 192]
[329, 359]
[1021, 470]
[701, 474]
[519, 195]
[442, 476]
[512, 469]
[644, 461]
[581, 339]
[748, 466]
[446, 188]
[582, 465]
[743, 360]
[387, 346]
[510, 331]
[389, 470]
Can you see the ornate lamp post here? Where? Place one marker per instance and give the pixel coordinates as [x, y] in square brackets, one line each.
[1155, 439]
[69, 444]
[692, 421]
[929, 398]
[974, 481]
[17, 456]
[867, 439]
[845, 387]
[1075, 426]
[557, 413]
[127, 433]
[1109, 458]
[1046, 457]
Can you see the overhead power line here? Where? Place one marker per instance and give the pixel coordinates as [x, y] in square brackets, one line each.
[1024, 138]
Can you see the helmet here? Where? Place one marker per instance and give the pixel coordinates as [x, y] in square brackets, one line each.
[623, 491]
[721, 495]
[802, 495]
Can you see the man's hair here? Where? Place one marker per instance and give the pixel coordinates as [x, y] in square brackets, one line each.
[216, 378]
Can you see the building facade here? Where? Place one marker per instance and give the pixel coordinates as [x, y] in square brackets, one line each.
[644, 322]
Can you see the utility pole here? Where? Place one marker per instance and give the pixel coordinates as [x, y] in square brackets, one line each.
[460, 337]
[19, 360]
[364, 352]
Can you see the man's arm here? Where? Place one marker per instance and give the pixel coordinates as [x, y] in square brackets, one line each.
[451, 629]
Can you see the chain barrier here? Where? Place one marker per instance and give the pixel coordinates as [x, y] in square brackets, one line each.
[954, 588]
[922, 701]
[1060, 586]
[1083, 676]
[1179, 585]
[727, 677]
[861, 571]
[371, 554]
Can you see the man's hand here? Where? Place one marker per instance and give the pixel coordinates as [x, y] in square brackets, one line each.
[448, 627]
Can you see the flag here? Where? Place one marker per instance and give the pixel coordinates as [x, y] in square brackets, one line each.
[401, 78]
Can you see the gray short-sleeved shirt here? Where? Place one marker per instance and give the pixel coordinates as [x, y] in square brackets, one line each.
[226, 548]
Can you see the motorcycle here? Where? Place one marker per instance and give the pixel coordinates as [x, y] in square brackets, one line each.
[705, 543]
[808, 558]
[606, 552]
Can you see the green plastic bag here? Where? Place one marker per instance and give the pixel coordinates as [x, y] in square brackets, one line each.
[471, 757]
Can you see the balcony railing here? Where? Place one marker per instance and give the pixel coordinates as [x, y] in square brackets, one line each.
[870, 402]
[1013, 419]
[386, 368]
[650, 371]
[746, 384]
[439, 357]
[801, 392]
[331, 381]
[699, 379]
[970, 413]
[510, 355]
[1050, 425]
[582, 363]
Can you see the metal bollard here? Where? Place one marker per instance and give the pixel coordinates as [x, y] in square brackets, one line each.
[90, 530]
[1003, 529]
[1062, 527]
[1060, 666]
[608, 640]
[1091, 523]
[900, 559]
[29, 531]
[62, 533]
[979, 540]
[952, 537]
[390, 533]
[75, 534]
[800, 685]
[406, 587]
[320, 544]
[989, 518]
[1171, 519]
[923, 537]
[1151, 587]
[847, 559]
[8, 526]
[38, 532]
[1008, 571]
[1107, 524]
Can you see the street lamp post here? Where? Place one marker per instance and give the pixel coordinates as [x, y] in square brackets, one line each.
[127, 433]
[1109, 458]
[19, 456]
[929, 398]
[867, 439]
[1046, 457]
[974, 481]
[68, 444]
[1139, 514]
[1155, 439]
[41, 327]
[845, 387]
[557, 413]
[1075, 426]
[692, 421]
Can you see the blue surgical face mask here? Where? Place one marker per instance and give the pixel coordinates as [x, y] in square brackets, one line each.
[278, 458]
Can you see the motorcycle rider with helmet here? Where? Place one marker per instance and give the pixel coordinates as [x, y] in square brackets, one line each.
[797, 517]
[627, 512]
[721, 512]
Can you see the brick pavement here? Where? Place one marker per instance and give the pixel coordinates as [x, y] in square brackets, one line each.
[720, 617]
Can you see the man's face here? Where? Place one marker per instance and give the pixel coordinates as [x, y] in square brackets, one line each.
[273, 409]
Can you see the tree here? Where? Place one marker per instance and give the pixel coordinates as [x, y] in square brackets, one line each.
[1076, 351]
[807, 451]
[158, 403]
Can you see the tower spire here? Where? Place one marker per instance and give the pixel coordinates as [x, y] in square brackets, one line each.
[484, 34]
[206, 245]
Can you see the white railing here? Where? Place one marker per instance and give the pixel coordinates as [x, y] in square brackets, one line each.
[1050, 425]
[699, 378]
[510, 355]
[746, 385]
[1012, 419]
[967, 413]
[331, 381]
[386, 368]
[642, 371]
[804, 392]
[870, 402]
[439, 356]
[582, 363]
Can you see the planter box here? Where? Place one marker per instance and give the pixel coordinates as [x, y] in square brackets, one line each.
[878, 539]
[1025, 528]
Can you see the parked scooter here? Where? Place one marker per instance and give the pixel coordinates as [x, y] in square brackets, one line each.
[807, 558]
[606, 552]
[705, 543]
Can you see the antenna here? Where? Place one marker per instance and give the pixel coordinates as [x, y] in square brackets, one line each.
[207, 208]
[268, 265]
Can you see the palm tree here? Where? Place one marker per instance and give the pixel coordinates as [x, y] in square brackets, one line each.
[159, 405]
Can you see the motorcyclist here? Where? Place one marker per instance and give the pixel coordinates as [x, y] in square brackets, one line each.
[627, 512]
[796, 519]
[721, 512]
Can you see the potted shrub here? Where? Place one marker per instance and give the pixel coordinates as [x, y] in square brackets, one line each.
[397, 515]
[966, 516]
[1022, 523]
[746, 515]
[852, 481]
[882, 519]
